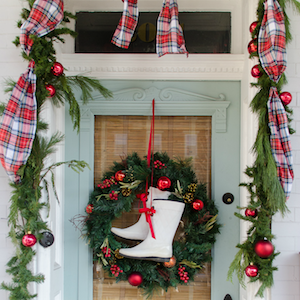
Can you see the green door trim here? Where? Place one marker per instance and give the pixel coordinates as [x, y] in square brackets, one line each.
[189, 101]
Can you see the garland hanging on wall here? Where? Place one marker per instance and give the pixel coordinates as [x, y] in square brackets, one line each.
[271, 174]
[127, 181]
[23, 133]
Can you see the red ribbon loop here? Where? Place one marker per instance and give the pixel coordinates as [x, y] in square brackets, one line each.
[148, 213]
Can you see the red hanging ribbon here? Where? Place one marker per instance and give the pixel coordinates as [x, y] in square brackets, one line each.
[149, 211]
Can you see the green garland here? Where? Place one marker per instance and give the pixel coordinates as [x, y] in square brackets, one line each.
[26, 200]
[193, 247]
[266, 194]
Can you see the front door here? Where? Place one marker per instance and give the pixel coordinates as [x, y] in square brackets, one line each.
[214, 103]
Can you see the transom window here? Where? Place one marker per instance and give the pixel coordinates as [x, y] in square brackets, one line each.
[204, 32]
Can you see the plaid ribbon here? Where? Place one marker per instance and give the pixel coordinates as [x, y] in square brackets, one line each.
[280, 141]
[272, 54]
[125, 30]
[169, 38]
[271, 41]
[18, 126]
[44, 16]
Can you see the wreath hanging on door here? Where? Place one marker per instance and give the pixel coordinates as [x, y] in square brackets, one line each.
[127, 181]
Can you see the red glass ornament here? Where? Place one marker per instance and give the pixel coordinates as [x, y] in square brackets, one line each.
[264, 248]
[286, 98]
[255, 71]
[198, 204]
[57, 69]
[89, 208]
[119, 176]
[251, 271]
[171, 263]
[253, 26]
[135, 278]
[163, 183]
[51, 89]
[252, 46]
[251, 213]
[28, 240]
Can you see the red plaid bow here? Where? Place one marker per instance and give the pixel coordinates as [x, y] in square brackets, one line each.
[169, 38]
[18, 126]
[271, 41]
[280, 142]
[125, 30]
[45, 15]
[272, 54]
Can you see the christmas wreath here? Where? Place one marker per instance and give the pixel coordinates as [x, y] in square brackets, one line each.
[127, 181]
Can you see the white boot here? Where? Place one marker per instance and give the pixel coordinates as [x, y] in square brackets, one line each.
[165, 222]
[139, 230]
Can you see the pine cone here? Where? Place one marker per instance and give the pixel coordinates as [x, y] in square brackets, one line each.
[126, 192]
[188, 197]
[192, 187]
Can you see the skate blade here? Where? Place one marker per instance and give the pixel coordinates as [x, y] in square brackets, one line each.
[157, 259]
[127, 239]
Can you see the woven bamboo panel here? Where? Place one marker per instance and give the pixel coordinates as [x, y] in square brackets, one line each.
[118, 136]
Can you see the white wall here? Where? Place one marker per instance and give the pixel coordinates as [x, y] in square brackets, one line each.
[286, 230]
[11, 65]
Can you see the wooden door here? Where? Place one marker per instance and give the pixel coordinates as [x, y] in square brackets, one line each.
[118, 136]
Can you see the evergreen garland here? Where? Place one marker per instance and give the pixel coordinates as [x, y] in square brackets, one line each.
[26, 200]
[266, 194]
[199, 227]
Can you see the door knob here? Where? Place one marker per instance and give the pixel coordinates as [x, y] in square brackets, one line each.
[228, 198]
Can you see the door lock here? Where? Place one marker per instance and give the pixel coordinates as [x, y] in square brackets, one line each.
[228, 198]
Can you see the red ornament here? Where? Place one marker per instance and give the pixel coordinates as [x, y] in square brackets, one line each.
[135, 278]
[142, 197]
[89, 208]
[51, 89]
[163, 183]
[251, 271]
[57, 69]
[255, 71]
[264, 248]
[119, 176]
[251, 213]
[252, 46]
[171, 263]
[28, 240]
[198, 204]
[286, 98]
[253, 26]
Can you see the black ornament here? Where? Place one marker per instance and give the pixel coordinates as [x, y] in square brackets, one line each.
[47, 239]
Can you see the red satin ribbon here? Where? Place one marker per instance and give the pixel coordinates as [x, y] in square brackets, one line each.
[150, 211]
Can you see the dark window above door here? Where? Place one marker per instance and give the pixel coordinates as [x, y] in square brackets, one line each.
[204, 32]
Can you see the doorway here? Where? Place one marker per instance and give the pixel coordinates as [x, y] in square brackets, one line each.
[219, 102]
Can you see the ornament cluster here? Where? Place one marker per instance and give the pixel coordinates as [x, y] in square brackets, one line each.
[57, 70]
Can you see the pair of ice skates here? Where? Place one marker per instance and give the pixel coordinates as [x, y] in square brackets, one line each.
[165, 222]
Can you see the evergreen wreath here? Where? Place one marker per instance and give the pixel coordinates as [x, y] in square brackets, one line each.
[115, 195]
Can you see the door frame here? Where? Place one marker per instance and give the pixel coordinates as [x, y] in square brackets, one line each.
[191, 100]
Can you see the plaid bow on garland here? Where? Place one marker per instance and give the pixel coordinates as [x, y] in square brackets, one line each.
[169, 38]
[125, 30]
[44, 16]
[272, 54]
[18, 126]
